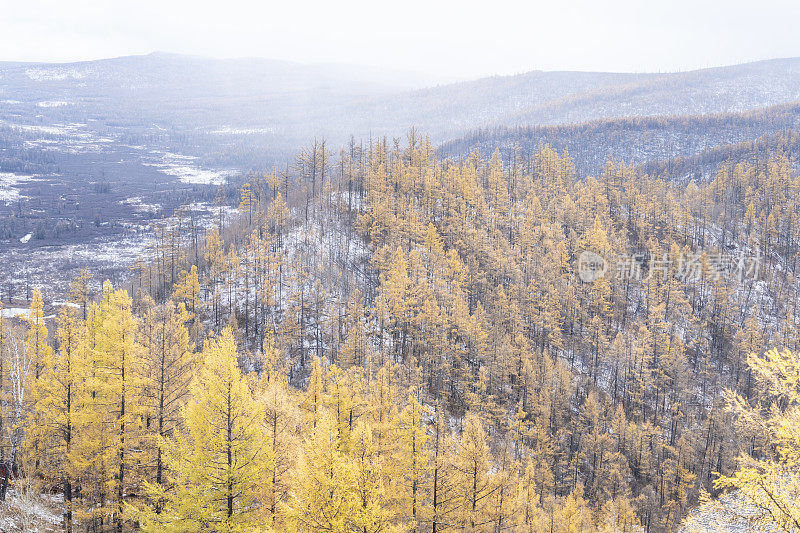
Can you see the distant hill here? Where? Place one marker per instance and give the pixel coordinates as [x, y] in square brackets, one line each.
[164, 74]
[723, 89]
[681, 146]
[448, 110]
[549, 98]
[257, 112]
[174, 101]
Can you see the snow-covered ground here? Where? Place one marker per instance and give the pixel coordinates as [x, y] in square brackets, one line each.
[9, 182]
[71, 138]
[14, 312]
[186, 169]
[24, 512]
[231, 130]
[50, 267]
[729, 514]
[70, 146]
[138, 204]
[57, 72]
[72, 129]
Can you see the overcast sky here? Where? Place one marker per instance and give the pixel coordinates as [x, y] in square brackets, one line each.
[460, 39]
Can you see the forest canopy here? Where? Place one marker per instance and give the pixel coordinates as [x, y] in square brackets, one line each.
[385, 340]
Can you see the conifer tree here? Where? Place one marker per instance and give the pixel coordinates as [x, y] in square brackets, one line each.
[217, 464]
[476, 484]
[771, 483]
[116, 389]
[56, 408]
[325, 495]
[412, 463]
[282, 436]
[166, 370]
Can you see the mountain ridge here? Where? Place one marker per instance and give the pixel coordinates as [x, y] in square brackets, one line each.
[267, 109]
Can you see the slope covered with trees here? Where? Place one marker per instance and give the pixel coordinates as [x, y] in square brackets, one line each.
[679, 147]
[382, 340]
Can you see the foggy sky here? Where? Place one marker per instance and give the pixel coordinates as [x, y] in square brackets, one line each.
[449, 39]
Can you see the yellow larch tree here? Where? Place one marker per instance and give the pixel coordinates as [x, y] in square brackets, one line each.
[374, 502]
[476, 483]
[116, 385]
[168, 364]
[57, 405]
[324, 497]
[187, 292]
[282, 426]
[412, 463]
[39, 352]
[769, 482]
[217, 464]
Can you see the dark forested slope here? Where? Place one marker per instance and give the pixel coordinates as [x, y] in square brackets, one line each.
[647, 141]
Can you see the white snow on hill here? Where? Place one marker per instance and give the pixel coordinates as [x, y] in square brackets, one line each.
[57, 73]
[52, 103]
[729, 514]
[14, 312]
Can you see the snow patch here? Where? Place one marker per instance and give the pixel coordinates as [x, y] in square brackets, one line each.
[55, 129]
[55, 73]
[8, 186]
[138, 204]
[14, 312]
[52, 103]
[230, 130]
[66, 304]
[182, 167]
[26, 512]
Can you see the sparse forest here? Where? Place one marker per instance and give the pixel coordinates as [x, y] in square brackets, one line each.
[382, 339]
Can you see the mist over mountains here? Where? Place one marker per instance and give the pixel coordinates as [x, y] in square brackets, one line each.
[255, 112]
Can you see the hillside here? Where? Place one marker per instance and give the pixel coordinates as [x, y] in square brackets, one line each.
[253, 295]
[248, 112]
[134, 138]
[189, 103]
[656, 143]
[427, 335]
[165, 74]
[723, 89]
